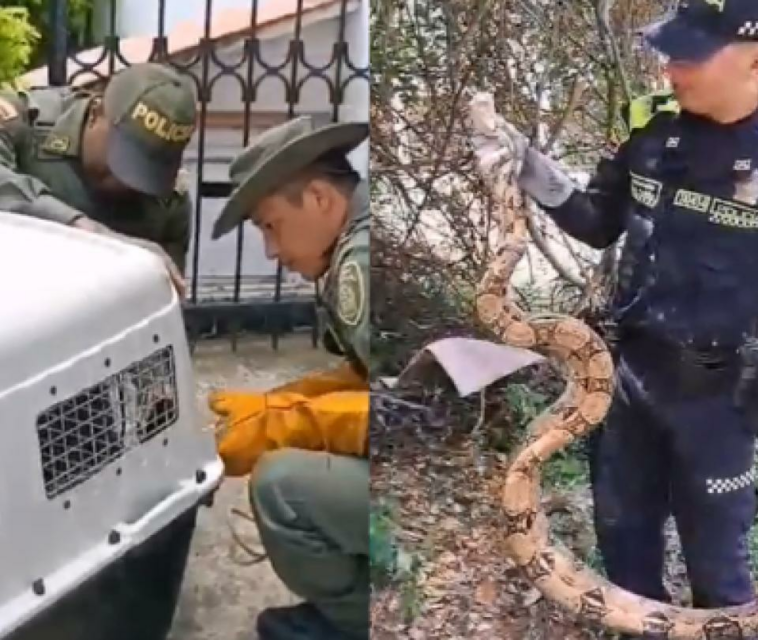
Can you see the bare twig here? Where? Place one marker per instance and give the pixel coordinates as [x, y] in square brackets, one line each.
[547, 250]
[482, 413]
[577, 90]
[604, 8]
[552, 67]
[391, 399]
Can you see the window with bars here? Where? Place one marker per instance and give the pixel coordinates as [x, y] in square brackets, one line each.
[81, 435]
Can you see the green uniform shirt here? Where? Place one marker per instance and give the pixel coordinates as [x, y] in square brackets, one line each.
[41, 174]
[346, 293]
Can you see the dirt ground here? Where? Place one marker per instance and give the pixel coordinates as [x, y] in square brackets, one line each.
[443, 496]
[221, 598]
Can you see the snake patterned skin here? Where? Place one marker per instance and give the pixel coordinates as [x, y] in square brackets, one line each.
[588, 367]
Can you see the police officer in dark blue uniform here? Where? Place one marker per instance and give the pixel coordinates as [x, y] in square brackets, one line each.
[683, 189]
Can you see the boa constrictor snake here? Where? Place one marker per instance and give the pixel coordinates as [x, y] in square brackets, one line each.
[588, 367]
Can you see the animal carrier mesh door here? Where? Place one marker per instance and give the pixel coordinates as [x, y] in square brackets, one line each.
[81, 435]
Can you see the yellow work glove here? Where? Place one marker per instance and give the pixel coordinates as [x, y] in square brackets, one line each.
[342, 378]
[334, 422]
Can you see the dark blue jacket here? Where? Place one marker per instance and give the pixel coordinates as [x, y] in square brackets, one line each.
[684, 190]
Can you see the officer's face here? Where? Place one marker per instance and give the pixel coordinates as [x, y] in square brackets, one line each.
[95, 158]
[301, 232]
[724, 87]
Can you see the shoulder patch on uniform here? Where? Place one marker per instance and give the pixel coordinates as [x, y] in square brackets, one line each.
[351, 293]
[8, 110]
[56, 144]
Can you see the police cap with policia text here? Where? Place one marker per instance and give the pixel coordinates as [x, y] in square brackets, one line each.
[701, 28]
[152, 110]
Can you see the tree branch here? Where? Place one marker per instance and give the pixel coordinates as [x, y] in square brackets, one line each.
[577, 91]
[604, 8]
[544, 246]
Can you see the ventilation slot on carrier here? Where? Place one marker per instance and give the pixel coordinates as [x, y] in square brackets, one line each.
[83, 434]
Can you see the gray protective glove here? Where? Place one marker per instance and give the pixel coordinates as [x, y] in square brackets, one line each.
[544, 180]
[503, 153]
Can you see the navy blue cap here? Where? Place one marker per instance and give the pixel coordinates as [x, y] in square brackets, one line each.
[701, 28]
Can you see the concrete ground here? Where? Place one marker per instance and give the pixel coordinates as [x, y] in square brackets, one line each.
[221, 598]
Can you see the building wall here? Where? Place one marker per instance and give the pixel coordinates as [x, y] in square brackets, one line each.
[142, 18]
[224, 134]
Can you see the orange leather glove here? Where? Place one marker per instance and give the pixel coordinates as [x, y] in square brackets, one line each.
[322, 412]
[342, 378]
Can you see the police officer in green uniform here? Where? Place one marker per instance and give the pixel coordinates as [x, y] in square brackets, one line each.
[105, 162]
[312, 507]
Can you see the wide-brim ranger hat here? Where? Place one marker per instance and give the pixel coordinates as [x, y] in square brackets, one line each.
[277, 156]
[701, 28]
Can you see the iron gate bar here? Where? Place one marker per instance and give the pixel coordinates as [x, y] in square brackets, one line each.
[112, 41]
[281, 311]
[58, 43]
[205, 98]
[296, 53]
[160, 42]
[247, 99]
[340, 51]
[224, 318]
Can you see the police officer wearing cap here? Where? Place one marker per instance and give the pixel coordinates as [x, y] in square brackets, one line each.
[306, 444]
[108, 163]
[683, 190]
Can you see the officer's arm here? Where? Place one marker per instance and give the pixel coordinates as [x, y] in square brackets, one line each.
[21, 193]
[596, 216]
[178, 231]
[353, 301]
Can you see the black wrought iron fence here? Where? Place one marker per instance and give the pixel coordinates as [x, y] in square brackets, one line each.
[275, 310]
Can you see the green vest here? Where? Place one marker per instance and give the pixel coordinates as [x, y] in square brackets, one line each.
[643, 109]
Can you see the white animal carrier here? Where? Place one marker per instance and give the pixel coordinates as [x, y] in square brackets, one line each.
[102, 461]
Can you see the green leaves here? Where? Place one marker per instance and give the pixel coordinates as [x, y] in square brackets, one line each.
[25, 33]
[382, 549]
[391, 564]
[524, 403]
[566, 471]
[18, 38]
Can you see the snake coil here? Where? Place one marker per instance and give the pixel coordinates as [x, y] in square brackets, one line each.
[586, 362]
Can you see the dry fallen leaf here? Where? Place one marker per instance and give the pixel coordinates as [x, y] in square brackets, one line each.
[450, 524]
[486, 592]
[451, 517]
